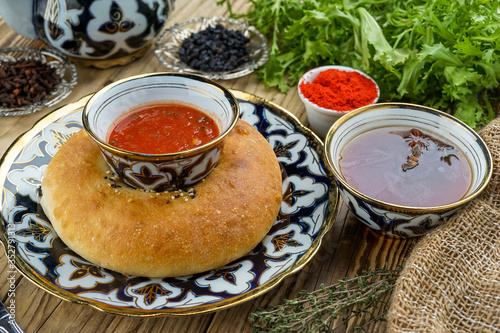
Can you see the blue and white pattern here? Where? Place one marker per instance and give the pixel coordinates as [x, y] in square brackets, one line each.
[389, 222]
[307, 213]
[100, 29]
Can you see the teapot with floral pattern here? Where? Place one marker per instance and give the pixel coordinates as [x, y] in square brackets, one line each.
[99, 33]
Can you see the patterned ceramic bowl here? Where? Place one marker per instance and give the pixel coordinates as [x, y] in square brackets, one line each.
[161, 172]
[321, 119]
[398, 220]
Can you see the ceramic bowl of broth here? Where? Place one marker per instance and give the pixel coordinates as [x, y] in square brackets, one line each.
[403, 168]
[161, 131]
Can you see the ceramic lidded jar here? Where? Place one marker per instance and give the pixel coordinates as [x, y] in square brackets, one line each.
[99, 33]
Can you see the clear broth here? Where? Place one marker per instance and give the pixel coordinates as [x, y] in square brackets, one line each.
[406, 166]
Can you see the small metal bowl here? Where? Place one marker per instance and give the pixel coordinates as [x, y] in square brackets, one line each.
[67, 72]
[169, 41]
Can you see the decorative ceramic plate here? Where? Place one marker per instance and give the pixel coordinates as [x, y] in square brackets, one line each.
[307, 213]
[169, 41]
[64, 69]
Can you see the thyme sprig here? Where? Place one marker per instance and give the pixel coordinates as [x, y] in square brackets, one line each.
[363, 297]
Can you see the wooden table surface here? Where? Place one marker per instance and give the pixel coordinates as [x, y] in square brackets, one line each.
[348, 248]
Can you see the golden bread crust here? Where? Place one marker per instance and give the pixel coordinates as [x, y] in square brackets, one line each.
[139, 233]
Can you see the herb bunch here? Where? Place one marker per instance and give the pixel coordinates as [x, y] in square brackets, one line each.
[332, 307]
[440, 53]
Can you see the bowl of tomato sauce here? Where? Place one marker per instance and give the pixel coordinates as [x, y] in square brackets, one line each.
[161, 131]
[330, 92]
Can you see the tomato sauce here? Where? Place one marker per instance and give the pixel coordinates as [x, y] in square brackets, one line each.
[161, 129]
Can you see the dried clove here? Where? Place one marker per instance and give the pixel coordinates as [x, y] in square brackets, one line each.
[25, 81]
[418, 142]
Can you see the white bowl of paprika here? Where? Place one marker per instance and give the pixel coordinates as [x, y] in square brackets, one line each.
[329, 92]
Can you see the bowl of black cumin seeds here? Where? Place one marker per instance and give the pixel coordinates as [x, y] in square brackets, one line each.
[32, 79]
[217, 48]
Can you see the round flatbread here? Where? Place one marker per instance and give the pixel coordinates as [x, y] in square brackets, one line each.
[164, 234]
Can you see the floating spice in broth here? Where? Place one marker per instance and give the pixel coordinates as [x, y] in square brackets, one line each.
[406, 166]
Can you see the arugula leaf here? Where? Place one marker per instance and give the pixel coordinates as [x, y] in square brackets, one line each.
[441, 53]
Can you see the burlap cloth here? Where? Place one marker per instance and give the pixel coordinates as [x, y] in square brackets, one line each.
[451, 280]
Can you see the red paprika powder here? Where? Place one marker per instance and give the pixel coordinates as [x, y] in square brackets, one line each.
[340, 90]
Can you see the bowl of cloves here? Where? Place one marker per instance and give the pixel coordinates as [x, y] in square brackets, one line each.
[32, 79]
